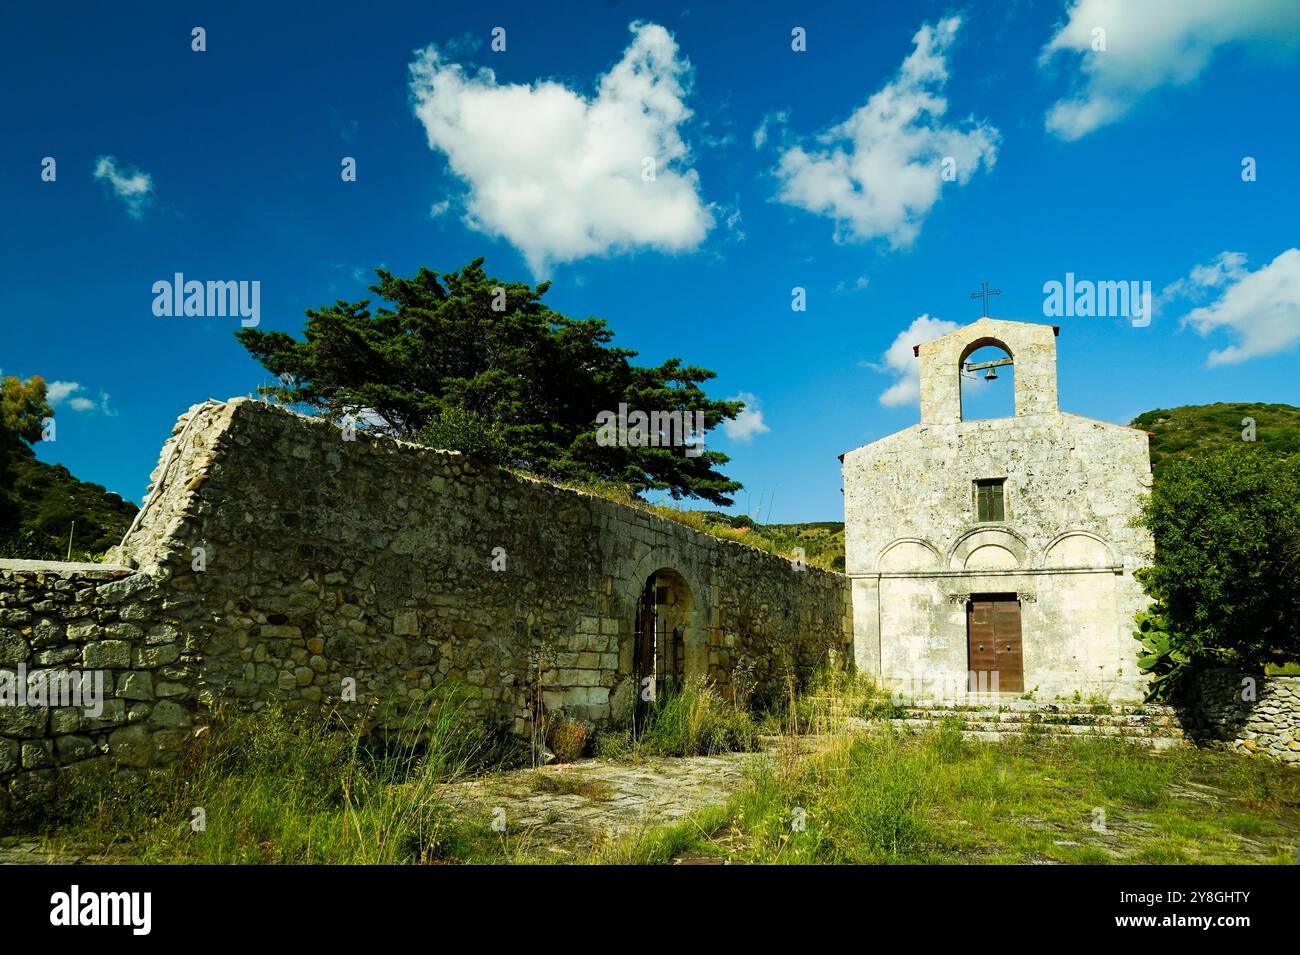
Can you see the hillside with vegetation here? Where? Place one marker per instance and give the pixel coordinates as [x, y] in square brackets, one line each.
[1195, 430]
[822, 542]
[41, 503]
[45, 512]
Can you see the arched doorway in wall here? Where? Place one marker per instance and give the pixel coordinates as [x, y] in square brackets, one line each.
[659, 665]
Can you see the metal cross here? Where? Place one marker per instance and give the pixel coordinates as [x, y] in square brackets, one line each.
[984, 294]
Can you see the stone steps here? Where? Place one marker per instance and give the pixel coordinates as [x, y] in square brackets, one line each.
[1034, 706]
[984, 704]
[998, 717]
[1098, 720]
[1150, 725]
[995, 736]
[1050, 729]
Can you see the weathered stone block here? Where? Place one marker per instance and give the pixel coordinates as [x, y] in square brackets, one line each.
[131, 746]
[10, 756]
[37, 754]
[66, 719]
[13, 648]
[47, 633]
[27, 721]
[169, 715]
[155, 656]
[119, 590]
[69, 749]
[280, 631]
[166, 633]
[135, 685]
[106, 655]
[56, 656]
[123, 631]
[81, 632]
[113, 713]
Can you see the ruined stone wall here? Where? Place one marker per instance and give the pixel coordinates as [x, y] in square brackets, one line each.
[290, 561]
[133, 641]
[1246, 712]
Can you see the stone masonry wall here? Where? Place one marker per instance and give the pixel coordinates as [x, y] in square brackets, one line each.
[59, 618]
[1066, 546]
[275, 561]
[1250, 713]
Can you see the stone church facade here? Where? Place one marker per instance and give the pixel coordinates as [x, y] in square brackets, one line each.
[998, 554]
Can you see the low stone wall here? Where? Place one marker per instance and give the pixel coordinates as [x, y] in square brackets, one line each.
[1247, 712]
[119, 632]
[281, 560]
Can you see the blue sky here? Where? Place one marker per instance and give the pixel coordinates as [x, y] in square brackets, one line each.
[820, 169]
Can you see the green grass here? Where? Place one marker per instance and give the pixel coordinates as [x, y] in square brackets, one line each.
[273, 789]
[832, 697]
[572, 784]
[696, 721]
[267, 788]
[886, 798]
[660, 845]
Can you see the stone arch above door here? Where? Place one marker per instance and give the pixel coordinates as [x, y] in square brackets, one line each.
[908, 554]
[1079, 548]
[990, 548]
[652, 562]
[663, 597]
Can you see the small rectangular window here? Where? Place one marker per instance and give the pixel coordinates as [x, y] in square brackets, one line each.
[989, 504]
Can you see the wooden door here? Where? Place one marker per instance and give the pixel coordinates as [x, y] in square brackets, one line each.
[994, 642]
[643, 662]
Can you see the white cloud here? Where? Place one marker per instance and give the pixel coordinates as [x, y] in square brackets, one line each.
[59, 392]
[762, 132]
[879, 173]
[900, 362]
[560, 174]
[56, 392]
[133, 186]
[1261, 308]
[1150, 44]
[857, 285]
[749, 422]
[438, 208]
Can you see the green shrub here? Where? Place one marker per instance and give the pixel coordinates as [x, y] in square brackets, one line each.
[1226, 526]
[696, 722]
[460, 429]
[1161, 655]
[613, 744]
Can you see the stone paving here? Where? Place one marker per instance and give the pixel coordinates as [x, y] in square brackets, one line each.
[24, 850]
[566, 809]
